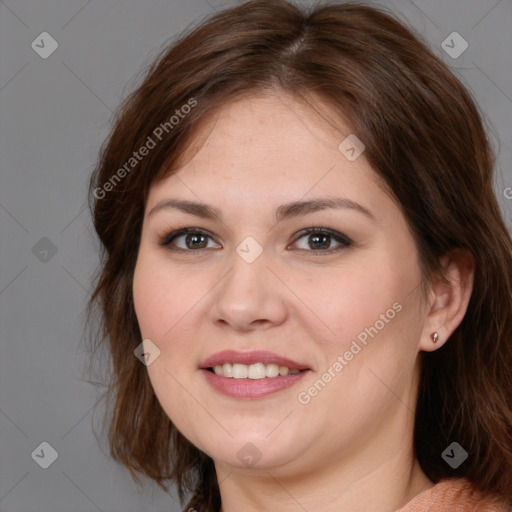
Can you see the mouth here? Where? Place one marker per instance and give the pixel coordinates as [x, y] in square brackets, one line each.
[254, 371]
[251, 374]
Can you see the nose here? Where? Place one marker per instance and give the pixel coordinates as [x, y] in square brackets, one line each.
[249, 297]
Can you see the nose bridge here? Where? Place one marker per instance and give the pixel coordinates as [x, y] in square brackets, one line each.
[249, 294]
[247, 280]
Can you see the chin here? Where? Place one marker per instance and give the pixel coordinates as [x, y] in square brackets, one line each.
[255, 450]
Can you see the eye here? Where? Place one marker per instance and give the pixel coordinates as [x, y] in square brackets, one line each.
[319, 240]
[186, 239]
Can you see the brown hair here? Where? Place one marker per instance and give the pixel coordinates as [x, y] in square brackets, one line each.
[425, 140]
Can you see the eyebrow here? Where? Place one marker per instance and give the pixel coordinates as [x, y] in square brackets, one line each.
[283, 212]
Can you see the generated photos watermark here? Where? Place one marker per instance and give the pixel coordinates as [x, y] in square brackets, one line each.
[150, 143]
[305, 397]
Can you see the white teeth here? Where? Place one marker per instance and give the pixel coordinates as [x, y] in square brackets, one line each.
[257, 371]
[227, 370]
[240, 371]
[253, 371]
[272, 370]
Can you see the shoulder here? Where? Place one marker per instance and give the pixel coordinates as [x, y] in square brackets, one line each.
[454, 495]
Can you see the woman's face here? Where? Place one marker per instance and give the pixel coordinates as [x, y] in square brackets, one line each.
[296, 259]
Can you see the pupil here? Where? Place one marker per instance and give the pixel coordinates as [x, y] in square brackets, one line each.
[314, 239]
[192, 240]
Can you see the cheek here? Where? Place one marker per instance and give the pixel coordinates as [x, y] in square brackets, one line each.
[147, 294]
[371, 357]
[349, 301]
[169, 304]
[373, 322]
[162, 297]
[164, 305]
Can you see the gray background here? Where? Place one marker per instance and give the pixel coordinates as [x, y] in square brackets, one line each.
[55, 113]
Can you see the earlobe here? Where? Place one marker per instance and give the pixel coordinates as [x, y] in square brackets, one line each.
[448, 299]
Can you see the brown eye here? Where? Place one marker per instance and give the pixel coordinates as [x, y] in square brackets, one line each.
[320, 240]
[196, 241]
[188, 239]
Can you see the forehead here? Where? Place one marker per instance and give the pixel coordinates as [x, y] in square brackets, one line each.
[271, 147]
[281, 125]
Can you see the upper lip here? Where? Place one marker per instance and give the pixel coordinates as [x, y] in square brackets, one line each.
[248, 358]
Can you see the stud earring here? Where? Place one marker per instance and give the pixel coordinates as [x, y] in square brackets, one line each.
[435, 337]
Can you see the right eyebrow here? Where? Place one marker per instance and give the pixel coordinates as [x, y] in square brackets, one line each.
[190, 207]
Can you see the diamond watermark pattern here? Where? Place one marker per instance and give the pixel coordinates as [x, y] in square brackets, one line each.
[249, 455]
[351, 147]
[44, 45]
[454, 455]
[44, 250]
[454, 45]
[146, 352]
[45, 455]
[249, 250]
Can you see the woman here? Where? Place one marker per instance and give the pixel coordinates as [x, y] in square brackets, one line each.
[306, 279]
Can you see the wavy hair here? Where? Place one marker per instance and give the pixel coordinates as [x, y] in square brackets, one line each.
[425, 140]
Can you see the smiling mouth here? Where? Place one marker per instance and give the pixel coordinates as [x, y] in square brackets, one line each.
[252, 371]
[252, 375]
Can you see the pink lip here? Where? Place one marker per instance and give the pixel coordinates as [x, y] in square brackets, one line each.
[256, 356]
[250, 388]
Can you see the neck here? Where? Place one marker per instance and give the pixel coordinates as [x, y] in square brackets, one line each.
[381, 490]
[382, 474]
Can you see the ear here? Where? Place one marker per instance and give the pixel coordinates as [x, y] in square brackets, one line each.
[448, 302]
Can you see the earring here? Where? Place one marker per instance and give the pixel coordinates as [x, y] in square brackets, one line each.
[435, 337]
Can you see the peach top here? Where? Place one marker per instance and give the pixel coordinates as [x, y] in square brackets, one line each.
[454, 495]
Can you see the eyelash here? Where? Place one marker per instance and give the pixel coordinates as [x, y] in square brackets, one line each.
[342, 239]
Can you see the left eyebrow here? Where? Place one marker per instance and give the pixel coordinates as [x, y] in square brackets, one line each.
[297, 208]
[283, 212]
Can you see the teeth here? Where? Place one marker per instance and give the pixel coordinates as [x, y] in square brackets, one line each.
[272, 370]
[257, 371]
[227, 370]
[253, 371]
[240, 371]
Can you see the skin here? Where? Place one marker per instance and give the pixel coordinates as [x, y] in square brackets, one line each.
[350, 447]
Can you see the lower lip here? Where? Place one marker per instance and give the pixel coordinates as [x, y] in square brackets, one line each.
[251, 388]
